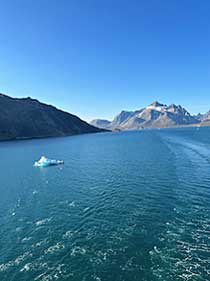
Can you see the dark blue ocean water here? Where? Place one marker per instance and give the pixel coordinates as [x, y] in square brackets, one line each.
[125, 206]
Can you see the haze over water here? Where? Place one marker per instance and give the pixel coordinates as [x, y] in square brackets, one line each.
[124, 206]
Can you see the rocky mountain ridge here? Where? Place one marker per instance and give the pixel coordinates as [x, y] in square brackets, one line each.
[155, 115]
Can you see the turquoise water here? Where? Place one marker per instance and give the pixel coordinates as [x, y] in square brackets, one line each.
[125, 206]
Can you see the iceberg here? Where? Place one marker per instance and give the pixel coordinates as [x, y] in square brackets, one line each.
[45, 162]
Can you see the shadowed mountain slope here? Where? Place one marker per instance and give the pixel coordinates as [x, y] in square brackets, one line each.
[29, 118]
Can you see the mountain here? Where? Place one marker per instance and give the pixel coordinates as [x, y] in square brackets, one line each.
[101, 123]
[156, 115]
[203, 117]
[122, 118]
[28, 118]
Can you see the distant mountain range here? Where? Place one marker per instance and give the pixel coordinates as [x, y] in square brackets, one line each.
[156, 115]
[23, 118]
[28, 118]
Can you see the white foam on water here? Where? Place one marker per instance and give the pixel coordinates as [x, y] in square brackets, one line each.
[72, 204]
[185, 253]
[102, 255]
[68, 234]
[39, 276]
[55, 248]
[156, 250]
[97, 278]
[78, 251]
[18, 229]
[40, 243]
[25, 239]
[5, 266]
[26, 267]
[21, 258]
[45, 277]
[42, 222]
[52, 273]
[17, 261]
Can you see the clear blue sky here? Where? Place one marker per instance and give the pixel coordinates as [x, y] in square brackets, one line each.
[97, 57]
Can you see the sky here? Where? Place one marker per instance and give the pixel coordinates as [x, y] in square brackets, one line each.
[95, 58]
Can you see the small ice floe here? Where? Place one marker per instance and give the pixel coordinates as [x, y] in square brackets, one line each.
[45, 162]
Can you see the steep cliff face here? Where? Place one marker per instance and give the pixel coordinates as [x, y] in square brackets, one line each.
[29, 118]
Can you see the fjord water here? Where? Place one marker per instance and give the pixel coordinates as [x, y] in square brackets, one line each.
[125, 206]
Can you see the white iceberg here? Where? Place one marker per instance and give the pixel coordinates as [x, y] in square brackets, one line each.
[45, 162]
